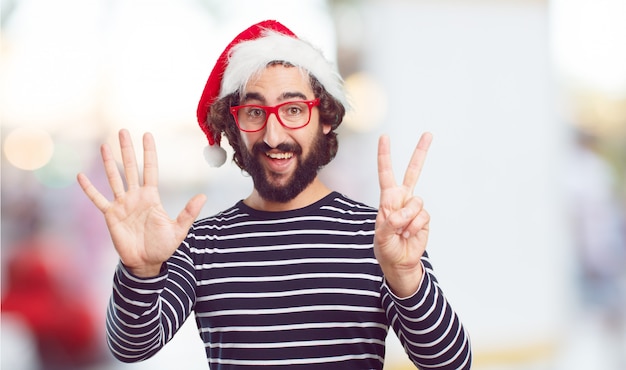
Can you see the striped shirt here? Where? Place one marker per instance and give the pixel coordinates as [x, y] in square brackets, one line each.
[299, 289]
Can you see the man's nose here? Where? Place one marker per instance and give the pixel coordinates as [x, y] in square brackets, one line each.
[274, 131]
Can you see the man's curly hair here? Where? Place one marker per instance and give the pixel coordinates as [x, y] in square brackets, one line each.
[331, 112]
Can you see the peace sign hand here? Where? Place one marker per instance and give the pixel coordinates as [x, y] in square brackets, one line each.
[402, 224]
[143, 234]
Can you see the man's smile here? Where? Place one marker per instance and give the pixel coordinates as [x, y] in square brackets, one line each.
[280, 155]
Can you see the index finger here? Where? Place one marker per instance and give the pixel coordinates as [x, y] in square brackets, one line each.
[414, 169]
[386, 179]
[92, 193]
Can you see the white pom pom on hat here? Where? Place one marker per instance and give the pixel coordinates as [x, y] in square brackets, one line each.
[214, 155]
[247, 54]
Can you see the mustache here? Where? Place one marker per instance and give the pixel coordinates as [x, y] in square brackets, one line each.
[262, 148]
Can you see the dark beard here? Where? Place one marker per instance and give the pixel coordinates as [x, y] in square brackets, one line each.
[305, 173]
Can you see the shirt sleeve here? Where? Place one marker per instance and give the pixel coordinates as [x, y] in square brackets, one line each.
[144, 314]
[426, 325]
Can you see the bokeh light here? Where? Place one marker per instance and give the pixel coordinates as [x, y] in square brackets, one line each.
[368, 102]
[28, 148]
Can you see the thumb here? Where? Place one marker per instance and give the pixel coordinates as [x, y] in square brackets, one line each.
[397, 221]
[191, 211]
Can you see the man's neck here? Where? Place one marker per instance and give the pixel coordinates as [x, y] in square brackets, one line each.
[314, 192]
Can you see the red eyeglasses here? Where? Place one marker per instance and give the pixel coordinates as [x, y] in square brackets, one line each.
[291, 114]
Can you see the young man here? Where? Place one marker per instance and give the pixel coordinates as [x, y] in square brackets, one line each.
[295, 275]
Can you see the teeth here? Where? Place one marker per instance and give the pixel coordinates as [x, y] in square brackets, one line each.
[280, 155]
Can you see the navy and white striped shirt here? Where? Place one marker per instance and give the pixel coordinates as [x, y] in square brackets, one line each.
[298, 289]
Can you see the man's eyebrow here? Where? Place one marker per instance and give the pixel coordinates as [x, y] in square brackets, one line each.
[252, 96]
[291, 95]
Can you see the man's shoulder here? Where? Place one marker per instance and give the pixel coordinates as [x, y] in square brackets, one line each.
[345, 202]
[225, 216]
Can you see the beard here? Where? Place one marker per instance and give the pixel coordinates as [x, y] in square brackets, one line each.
[267, 183]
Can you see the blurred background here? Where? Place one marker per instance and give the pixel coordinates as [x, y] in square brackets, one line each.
[525, 181]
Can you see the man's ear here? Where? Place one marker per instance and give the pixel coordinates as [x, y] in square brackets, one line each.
[326, 128]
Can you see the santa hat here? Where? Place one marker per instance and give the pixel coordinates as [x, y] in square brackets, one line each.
[249, 53]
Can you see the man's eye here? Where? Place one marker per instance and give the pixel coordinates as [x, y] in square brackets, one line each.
[293, 110]
[255, 112]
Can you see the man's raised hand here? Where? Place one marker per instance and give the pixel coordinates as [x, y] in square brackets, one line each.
[143, 234]
[402, 223]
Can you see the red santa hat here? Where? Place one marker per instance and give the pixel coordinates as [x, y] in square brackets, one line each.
[249, 53]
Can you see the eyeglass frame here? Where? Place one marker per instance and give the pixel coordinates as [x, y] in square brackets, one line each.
[274, 110]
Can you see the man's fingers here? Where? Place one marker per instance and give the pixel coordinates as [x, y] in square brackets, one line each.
[386, 179]
[191, 211]
[112, 172]
[402, 219]
[416, 163]
[150, 162]
[419, 223]
[128, 159]
[92, 193]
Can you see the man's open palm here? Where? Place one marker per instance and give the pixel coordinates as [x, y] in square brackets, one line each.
[142, 232]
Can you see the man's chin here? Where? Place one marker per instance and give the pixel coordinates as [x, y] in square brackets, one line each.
[271, 186]
[277, 180]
